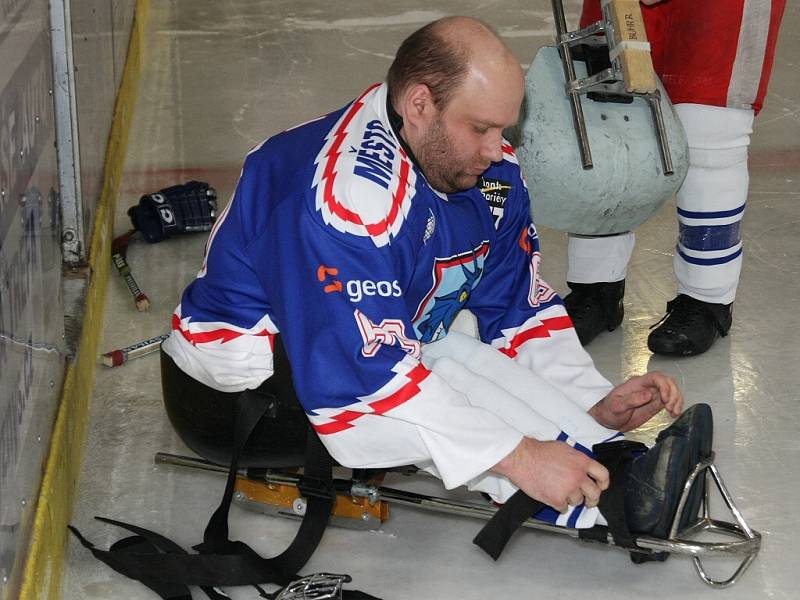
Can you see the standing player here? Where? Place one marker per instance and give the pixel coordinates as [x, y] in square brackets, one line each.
[714, 58]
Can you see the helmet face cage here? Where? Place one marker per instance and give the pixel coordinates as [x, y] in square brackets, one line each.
[319, 586]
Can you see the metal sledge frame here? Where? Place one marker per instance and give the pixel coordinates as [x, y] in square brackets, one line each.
[609, 81]
[369, 498]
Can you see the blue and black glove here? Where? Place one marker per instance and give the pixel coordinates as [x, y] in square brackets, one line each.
[184, 208]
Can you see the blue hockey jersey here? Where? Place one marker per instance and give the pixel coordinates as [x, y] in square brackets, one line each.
[334, 238]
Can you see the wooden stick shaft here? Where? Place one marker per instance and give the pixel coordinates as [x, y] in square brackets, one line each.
[629, 43]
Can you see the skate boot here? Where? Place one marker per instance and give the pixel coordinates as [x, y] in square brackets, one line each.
[595, 307]
[689, 327]
[696, 424]
[654, 484]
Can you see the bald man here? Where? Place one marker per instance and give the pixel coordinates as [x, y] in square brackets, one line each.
[350, 245]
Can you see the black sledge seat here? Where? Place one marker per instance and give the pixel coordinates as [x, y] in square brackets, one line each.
[204, 418]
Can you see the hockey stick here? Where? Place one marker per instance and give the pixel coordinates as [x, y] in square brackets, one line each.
[119, 248]
[117, 357]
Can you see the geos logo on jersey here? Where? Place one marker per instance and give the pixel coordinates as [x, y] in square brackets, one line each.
[358, 288]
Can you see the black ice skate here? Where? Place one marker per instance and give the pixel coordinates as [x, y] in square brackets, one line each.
[689, 327]
[595, 307]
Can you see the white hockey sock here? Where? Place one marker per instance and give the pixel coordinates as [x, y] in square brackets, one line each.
[599, 259]
[711, 201]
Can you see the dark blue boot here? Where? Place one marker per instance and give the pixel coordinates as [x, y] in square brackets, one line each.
[696, 424]
[654, 485]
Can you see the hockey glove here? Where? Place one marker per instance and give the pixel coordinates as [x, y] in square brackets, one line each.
[184, 208]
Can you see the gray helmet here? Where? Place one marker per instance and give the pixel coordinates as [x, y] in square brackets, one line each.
[627, 184]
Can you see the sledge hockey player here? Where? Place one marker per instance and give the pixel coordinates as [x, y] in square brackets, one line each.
[714, 59]
[347, 250]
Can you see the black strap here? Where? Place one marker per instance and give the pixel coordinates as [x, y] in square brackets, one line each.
[598, 533]
[616, 456]
[494, 536]
[250, 407]
[167, 569]
[139, 545]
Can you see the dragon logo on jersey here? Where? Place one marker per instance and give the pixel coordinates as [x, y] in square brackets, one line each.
[496, 193]
[454, 278]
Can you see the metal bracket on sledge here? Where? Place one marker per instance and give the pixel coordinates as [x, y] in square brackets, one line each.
[748, 540]
[365, 505]
[610, 81]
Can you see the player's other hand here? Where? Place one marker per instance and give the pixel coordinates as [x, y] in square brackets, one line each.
[636, 401]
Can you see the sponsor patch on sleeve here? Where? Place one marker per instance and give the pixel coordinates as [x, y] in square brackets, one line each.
[495, 192]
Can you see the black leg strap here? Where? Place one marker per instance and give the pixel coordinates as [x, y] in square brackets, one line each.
[138, 545]
[616, 456]
[167, 569]
[250, 407]
[494, 536]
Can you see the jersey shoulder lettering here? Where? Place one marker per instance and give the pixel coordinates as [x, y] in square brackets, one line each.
[364, 180]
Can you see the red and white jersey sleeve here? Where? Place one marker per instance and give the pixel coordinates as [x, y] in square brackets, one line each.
[521, 315]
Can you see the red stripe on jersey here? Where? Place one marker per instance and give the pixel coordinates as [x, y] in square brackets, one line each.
[383, 225]
[342, 421]
[540, 331]
[329, 174]
[332, 427]
[225, 335]
[508, 149]
[408, 391]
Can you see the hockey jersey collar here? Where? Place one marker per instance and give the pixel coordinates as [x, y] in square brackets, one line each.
[396, 123]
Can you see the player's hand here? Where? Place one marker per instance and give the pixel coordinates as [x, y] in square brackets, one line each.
[554, 473]
[636, 401]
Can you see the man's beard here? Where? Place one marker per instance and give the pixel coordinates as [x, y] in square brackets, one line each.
[442, 167]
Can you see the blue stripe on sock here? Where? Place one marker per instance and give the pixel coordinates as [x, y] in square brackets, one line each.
[710, 237]
[583, 449]
[548, 515]
[719, 214]
[711, 261]
[562, 437]
[573, 518]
